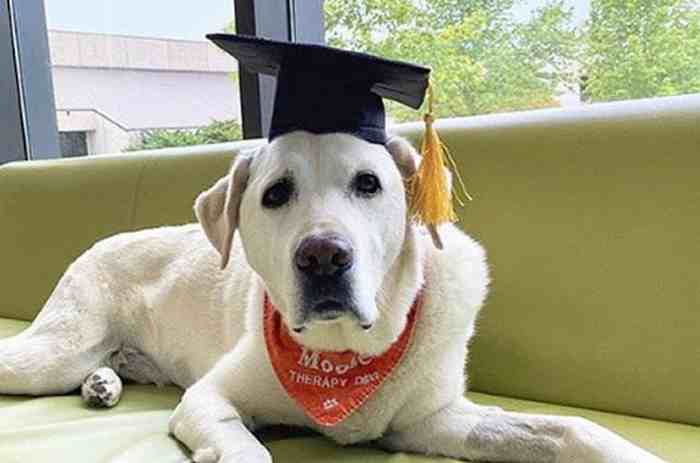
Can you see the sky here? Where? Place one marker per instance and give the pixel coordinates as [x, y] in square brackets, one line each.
[179, 19]
[174, 19]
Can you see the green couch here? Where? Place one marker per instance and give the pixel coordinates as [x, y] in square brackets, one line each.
[591, 218]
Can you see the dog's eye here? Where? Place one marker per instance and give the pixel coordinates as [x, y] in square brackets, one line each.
[278, 194]
[367, 184]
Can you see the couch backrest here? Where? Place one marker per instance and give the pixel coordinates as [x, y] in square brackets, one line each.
[52, 211]
[591, 218]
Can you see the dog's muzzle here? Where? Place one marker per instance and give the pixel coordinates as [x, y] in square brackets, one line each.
[322, 263]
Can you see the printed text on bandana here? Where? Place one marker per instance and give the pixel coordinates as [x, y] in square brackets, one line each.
[314, 361]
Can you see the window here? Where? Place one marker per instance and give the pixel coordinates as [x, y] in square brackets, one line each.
[134, 75]
[73, 144]
[492, 56]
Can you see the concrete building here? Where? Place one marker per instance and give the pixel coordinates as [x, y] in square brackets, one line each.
[110, 88]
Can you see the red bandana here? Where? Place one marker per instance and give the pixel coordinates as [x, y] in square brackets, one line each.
[329, 386]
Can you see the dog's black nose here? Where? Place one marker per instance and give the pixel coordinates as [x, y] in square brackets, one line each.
[324, 255]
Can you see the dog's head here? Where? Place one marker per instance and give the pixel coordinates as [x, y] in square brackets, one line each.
[322, 218]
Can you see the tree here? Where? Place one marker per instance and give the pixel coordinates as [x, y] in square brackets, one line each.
[215, 132]
[483, 59]
[642, 48]
[486, 60]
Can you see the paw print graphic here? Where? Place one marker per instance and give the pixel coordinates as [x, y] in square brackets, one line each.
[330, 403]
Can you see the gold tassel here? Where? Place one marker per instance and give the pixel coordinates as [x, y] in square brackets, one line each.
[430, 195]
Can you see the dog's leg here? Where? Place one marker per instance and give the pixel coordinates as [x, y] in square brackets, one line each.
[207, 419]
[213, 428]
[68, 341]
[464, 431]
[46, 363]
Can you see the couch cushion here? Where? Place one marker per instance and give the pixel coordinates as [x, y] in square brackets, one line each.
[9, 327]
[590, 218]
[61, 428]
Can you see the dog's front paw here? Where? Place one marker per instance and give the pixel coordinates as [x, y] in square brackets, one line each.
[587, 442]
[205, 455]
[253, 454]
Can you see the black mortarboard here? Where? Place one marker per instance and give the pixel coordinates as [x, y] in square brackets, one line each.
[323, 90]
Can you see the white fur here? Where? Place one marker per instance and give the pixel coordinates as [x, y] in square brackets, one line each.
[156, 307]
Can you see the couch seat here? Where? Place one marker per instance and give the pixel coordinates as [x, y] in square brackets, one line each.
[61, 429]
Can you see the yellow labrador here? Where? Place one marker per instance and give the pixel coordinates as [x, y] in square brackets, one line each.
[318, 226]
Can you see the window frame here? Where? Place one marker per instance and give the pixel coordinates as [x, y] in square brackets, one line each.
[30, 130]
[288, 20]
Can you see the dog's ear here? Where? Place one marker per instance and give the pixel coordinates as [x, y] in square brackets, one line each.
[405, 156]
[407, 160]
[217, 209]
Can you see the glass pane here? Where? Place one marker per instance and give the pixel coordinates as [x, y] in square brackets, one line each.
[493, 56]
[134, 75]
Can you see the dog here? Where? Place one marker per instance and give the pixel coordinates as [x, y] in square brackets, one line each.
[318, 228]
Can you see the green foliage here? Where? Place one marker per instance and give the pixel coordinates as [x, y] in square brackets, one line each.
[216, 132]
[642, 48]
[483, 60]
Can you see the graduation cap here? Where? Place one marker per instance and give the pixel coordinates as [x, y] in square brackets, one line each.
[325, 90]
